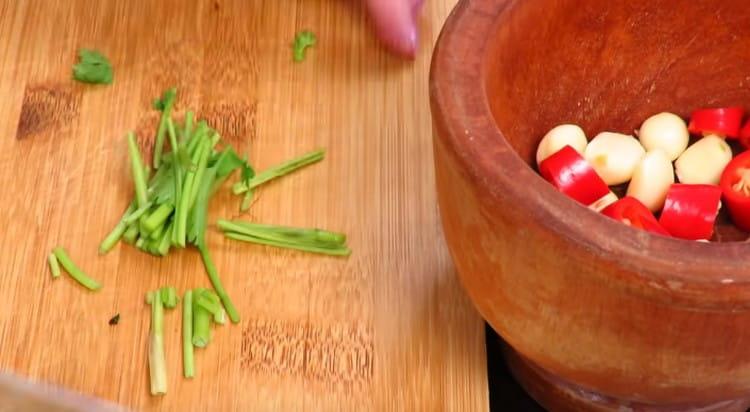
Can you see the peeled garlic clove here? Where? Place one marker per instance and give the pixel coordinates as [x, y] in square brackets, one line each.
[651, 179]
[614, 156]
[665, 131]
[559, 137]
[605, 201]
[703, 161]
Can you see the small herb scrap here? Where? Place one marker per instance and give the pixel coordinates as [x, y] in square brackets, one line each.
[302, 40]
[54, 265]
[114, 320]
[92, 67]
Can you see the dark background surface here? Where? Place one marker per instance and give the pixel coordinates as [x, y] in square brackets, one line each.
[506, 394]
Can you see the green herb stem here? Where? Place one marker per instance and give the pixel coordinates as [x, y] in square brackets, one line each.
[158, 217]
[119, 230]
[74, 271]
[213, 275]
[333, 250]
[139, 177]
[314, 237]
[201, 326]
[166, 112]
[279, 170]
[54, 265]
[188, 358]
[137, 213]
[157, 363]
[131, 234]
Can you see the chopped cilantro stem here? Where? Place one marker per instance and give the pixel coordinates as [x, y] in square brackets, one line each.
[168, 295]
[188, 358]
[316, 237]
[166, 240]
[201, 170]
[119, 230]
[178, 199]
[189, 117]
[332, 250]
[205, 301]
[191, 185]
[54, 265]
[279, 170]
[138, 213]
[157, 363]
[158, 217]
[213, 275]
[166, 104]
[131, 234]
[74, 271]
[221, 317]
[139, 177]
[201, 326]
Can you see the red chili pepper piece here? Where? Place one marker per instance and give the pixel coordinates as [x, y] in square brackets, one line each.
[690, 211]
[725, 121]
[745, 135]
[735, 187]
[571, 174]
[632, 212]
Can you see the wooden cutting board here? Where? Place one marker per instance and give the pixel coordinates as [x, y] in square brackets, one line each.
[387, 329]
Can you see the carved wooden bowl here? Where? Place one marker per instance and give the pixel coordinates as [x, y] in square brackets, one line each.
[597, 316]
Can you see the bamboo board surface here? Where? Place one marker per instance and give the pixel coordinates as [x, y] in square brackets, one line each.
[387, 329]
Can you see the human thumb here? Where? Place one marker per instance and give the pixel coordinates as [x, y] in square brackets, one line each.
[396, 24]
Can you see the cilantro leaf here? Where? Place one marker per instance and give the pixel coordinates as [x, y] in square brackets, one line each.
[92, 67]
[302, 41]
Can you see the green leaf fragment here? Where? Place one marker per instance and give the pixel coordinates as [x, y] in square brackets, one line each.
[302, 40]
[93, 67]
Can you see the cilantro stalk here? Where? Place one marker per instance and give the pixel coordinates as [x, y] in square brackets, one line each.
[158, 217]
[139, 177]
[332, 251]
[201, 326]
[74, 271]
[279, 170]
[164, 104]
[213, 275]
[307, 240]
[54, 265]
[157, 364]
[188, 358]
[117, 232]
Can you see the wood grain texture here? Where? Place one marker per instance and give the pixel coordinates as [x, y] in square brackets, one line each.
[387, 329]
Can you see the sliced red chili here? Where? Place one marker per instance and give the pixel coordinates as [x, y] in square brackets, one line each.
[724, 121]
[571, 174]
[632, 212]
[735, 187]
[745, 135]
[690, 211]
